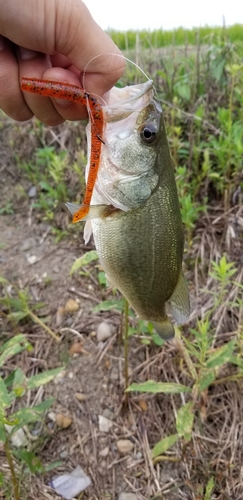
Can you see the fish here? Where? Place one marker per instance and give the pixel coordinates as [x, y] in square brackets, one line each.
[132, 205]
[134, 213]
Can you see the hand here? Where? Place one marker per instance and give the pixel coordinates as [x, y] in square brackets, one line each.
[52, 40]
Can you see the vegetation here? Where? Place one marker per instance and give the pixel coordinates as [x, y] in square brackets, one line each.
[156, 39]
[198, 75]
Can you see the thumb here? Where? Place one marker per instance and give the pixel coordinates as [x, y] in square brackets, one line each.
[87, 46]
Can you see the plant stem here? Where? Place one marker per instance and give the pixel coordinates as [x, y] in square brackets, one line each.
[38, 320]
[12, 470]
[186, 357]
[126, 348]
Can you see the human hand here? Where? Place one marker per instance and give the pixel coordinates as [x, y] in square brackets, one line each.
[52, 41]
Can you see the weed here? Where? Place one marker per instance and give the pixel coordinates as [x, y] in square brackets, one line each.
[18, 307]
[13, 424]
[7, 209]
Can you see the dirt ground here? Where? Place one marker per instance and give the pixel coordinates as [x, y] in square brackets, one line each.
[91, 385]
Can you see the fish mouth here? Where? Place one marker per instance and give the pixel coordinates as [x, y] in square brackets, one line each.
[121, 102]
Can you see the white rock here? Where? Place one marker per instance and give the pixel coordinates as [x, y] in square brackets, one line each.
[52, 416]
[104, 424]
[104, 331]
[59, 378]
[32, 259]
[127, 496]
[32, 192]
[17, 438]
[103, 453]
[124, 445]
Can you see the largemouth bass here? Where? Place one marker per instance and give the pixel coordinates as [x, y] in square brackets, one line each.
[135, 214]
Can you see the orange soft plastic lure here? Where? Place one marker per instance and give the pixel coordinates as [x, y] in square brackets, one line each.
[60, 90]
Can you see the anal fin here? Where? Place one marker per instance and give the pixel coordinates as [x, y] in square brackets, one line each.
[179, 301]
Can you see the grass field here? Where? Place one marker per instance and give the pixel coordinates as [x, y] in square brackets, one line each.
[186, 426]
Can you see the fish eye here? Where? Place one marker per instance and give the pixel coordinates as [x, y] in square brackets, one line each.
[148, 133]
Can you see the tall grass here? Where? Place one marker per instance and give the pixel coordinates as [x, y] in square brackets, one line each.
[179, 36]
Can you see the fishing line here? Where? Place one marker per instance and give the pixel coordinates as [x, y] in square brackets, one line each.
[113, 55]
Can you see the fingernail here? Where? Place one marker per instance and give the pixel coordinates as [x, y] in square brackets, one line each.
[2, 43]
[27, 54]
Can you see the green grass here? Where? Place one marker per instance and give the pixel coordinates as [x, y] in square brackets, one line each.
[177, 37]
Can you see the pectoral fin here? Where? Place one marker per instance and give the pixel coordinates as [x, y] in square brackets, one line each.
[89, 212]
[179, 301]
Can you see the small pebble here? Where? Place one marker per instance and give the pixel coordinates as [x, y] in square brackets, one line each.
[59, 378]
[104, 331]
[52, 416]
[104, 424]
[105, 452]
[71, 306]
[64, 454]
[63, 421]
[36, 432]
[18, 438]
[80, 396]
[32, 259]
[138, 455]
[59, 316]
[143, 404]
[32, 192]
[124, 446]
[108, 414]
[77, 348]
[114, 374]
[127, 496]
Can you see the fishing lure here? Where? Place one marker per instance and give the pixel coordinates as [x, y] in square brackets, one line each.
[60, 90]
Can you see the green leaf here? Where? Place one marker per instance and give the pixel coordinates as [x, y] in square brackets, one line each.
[43, 378]
[53, 465]
[19, 383]
[163, 445]
[109, 305]
[183, 90]
[5, 399]
[157, 387]
[157, 339]
[17, 315]
[27, 415]
[205, 379]
[221, 355]
[12, 347]
[209, 489]
[184, 420]
[84, 260]
[19, 378]
[30, 459]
